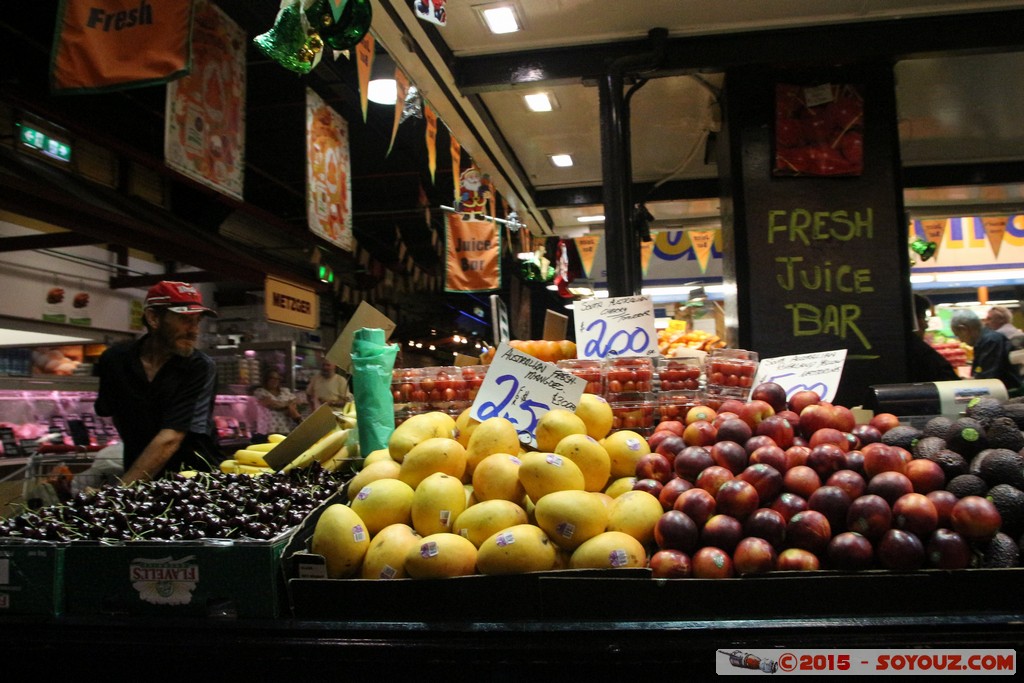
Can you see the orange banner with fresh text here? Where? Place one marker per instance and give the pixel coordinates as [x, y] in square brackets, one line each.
[115, 44]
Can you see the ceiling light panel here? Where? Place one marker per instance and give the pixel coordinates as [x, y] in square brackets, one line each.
[500, 17]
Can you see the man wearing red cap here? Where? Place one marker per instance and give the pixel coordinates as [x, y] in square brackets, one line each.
[160, 389]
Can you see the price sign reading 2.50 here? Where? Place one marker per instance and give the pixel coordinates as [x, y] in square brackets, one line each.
[523, 415]
[521, 388]
[623, 326]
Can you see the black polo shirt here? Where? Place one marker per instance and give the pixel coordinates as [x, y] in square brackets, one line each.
[180, 397]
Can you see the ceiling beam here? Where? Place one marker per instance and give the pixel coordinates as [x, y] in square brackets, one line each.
[895, 39]
[49, 240]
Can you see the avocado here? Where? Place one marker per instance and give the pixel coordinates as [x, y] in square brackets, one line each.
[999, 466]
[952, 463]
[984, 409]
[1015, 411]
[1010, 503]
[967, 485]
[928, 445]
[1003, 432]
[967, 437]
[903, 436]
[1000, 552]
[940, 426]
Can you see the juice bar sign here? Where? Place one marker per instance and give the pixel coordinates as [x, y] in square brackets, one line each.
[822, 293]
[291, 304]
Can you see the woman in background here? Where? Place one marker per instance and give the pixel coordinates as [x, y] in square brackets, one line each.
[277, 409]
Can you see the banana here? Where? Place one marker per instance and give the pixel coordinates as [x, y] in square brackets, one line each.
[229, 466]
[275, 438]
[250, 457]
[261, 447]
[328, 444]
[337, 461]
[302, 461]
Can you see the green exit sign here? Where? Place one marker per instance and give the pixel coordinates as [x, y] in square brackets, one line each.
[45, 144]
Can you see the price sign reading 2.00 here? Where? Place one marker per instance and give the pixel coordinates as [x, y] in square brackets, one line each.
[623, 326]
[521, 388]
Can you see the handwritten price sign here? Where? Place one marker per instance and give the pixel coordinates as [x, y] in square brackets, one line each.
[622, 326]
[819, 372]
[521, 388]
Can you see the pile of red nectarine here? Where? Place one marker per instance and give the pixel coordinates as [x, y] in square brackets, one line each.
[795, 483]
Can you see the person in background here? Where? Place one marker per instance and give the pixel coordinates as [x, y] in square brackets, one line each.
[328, 387]
[277, 409]
[160, 389]
[999, 319]
[925, 364]
[991, 350]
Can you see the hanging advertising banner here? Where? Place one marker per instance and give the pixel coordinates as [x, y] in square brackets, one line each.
[456, 151]
[673, 259]
[204, 135]
[473, 262]
[97, 44]
[646, 251]
[364, 63]
[328, 173]
[432, 11]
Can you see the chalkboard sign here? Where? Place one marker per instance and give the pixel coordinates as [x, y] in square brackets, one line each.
[821, 263]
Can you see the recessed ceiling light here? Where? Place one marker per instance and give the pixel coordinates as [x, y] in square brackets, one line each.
[561, 160]
[591, 219]
[500, 18]
[540, 101]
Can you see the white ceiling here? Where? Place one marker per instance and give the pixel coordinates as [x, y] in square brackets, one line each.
[952, 109]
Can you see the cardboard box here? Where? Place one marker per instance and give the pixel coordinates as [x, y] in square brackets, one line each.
[176, 578]
[31, 577]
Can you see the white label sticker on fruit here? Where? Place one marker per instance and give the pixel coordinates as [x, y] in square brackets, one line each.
[620, 326]
[618, 558]
[505, 538]
[444, 516]
[428, 550]
[521, 388]
[553, 459]
[358, 533]
[818, 94]
[388, 572]
[364, 493]
[565, 529]
[818, 372]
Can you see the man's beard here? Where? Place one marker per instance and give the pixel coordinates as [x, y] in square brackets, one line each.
[176, 344]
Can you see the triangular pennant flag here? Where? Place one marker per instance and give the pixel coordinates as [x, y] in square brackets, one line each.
[431, 119]
[702, 241]
[995, 228]
[586, 246]
[456, 150]
[402, 86]
[646, 250]
[365, 50]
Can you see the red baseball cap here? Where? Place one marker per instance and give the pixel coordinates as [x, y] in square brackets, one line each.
[179, 297]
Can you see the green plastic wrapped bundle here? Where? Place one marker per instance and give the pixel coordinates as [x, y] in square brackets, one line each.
[373, 361]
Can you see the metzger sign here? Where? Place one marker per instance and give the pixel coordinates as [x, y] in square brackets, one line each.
[291, 304]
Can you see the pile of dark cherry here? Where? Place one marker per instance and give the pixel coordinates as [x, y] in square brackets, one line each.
[207, 505]
[776, 483]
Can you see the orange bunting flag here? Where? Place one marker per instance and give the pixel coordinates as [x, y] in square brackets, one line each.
[473, 262]
[115, 44]
[586, 246]
[702, 241]
[365, 49]
[995, 229]
[935, 231]
[456, 150]
[402, 86]
[431, 119]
